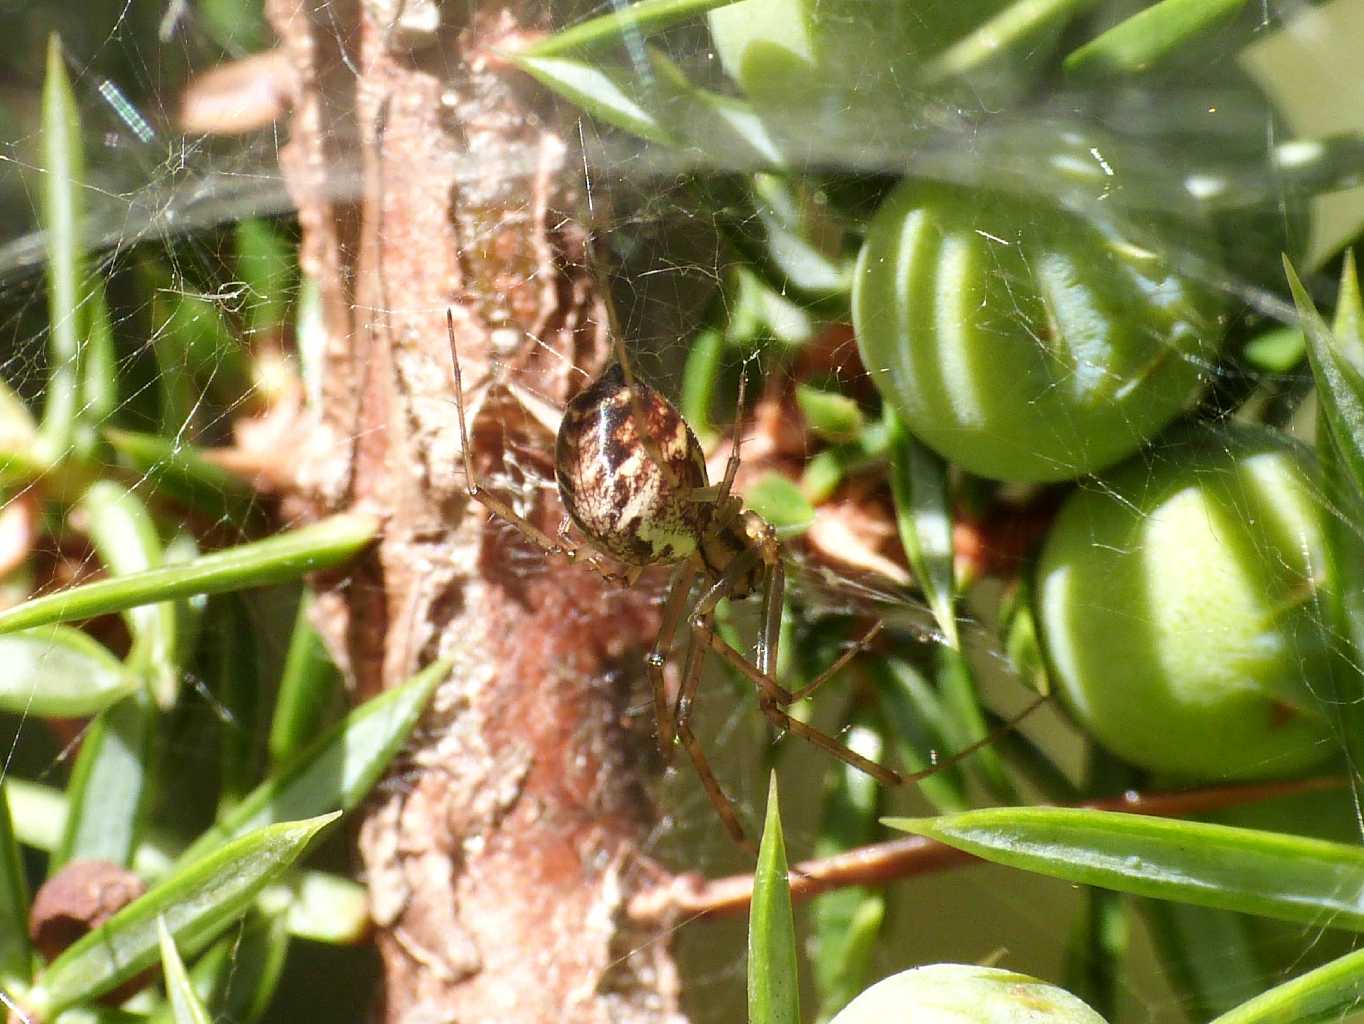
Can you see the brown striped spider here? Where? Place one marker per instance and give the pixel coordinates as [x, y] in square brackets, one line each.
[632, 478]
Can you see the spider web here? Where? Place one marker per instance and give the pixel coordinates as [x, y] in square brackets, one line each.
[183, 194]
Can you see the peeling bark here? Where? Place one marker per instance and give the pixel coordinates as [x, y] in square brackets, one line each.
[502, 856]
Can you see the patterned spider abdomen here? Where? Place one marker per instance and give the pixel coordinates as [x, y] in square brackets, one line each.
[631, 507]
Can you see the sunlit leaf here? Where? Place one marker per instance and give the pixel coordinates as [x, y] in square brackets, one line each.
[918, 726]
[17, 428]
[99, 371]
[1267, 873]
[60, 208]
[1330, 993]
[279, 559]
[60, 672]
[1208, 954]
[918, 482]
[197, 903]
[846, 922]
[1021, 642]
[336, 771]
[314, 905]
[773, 990]
[699, 377]
[779, 501]
[16, 958]
[267, 264]
[1336, 355]
[1142, 41]
[321, 907]
[1013, 25]
[966, 724]
[230, 662]
[1097, 949]
[185, 1005]
[663, 107]
[637, 21]
[181, 473]
[784, 228]
[1277, 350]
[832, 415]
[1338, 367]
[109, 786]
[237, 977]
[309, 689]
[124, 536]
[612, 94]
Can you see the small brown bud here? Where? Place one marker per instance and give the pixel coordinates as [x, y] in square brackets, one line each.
[79, 898]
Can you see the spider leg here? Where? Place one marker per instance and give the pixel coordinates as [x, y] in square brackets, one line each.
[770, 694]
[774, 587]
[808, 690]
[673, 611]
[496, 505]
[884, 775]
[722, 804]
[703, 630]
[704, 608]
[732, 466]
[996, 734]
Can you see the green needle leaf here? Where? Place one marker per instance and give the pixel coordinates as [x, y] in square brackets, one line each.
[1332, 992]
[230, 662]
[1267, 873]
[309, 689]
[267, 264]
[918, 725]
[1209, 954]
[1339, 459]
[239, 975]
[779, 501]
[185, 1005]
[124, 536]
[314, 905]
[918, 483]
[60, 672]
[182, 474]
[1338, 366]
[669, 110]
[337, 770]
[280, 559]
[16, 958]
[639, 20]
[99, 372]
[1142, 41]
[832, 415]
[1021, 642]
[197, 903]
[966, 723]
[61, 217]
[773, 989]
[108, 790]
[845, 923]
[1013, 26]
[611, 94]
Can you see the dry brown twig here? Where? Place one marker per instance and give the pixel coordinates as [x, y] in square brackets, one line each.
[689, 896]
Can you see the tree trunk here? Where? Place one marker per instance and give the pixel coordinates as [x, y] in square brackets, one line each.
[503, 852]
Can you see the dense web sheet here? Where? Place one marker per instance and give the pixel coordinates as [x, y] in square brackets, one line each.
[161, 217]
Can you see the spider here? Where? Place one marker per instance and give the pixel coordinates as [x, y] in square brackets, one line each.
[632, 478]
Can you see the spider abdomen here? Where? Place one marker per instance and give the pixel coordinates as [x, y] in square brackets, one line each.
[612, 484]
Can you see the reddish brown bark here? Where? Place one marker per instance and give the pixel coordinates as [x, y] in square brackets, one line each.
[503, 855]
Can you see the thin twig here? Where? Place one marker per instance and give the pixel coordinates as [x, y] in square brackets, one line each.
[688, 896]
